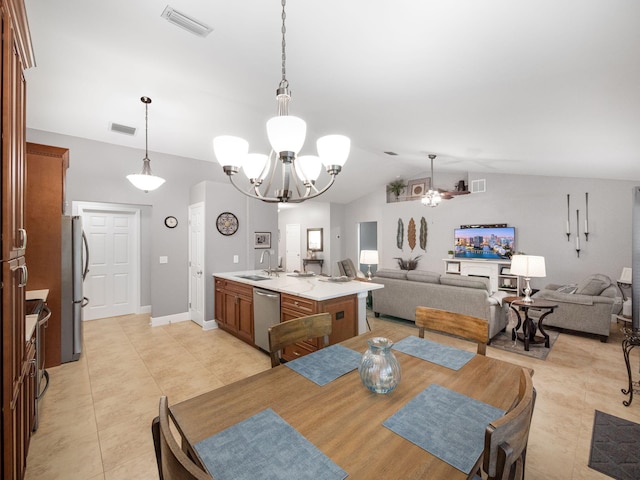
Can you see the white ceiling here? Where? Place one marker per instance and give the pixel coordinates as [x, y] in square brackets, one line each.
[543, 87]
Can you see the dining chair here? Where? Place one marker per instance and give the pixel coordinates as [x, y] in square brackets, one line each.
[505, 439]
[173, 463]
[465, 326]
[298, 330]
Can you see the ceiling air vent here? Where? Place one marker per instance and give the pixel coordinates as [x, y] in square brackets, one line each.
[184, 21]
[117, 128]
[478, 186]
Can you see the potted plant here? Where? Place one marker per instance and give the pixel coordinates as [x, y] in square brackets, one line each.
[408, 264]
[450, 253]
[396, 187]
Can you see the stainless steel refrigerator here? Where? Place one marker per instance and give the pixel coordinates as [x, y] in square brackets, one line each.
[75, 263]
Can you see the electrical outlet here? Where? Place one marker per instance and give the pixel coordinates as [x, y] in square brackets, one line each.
[164, 259]
[236, 259]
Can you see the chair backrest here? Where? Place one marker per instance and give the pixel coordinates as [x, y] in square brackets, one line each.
[297, 330]
[505, 439]
[173, 463]
[465, 326]
[347, 268]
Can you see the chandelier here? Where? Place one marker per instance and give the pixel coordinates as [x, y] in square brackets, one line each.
[145, 180]
[286, 133]
[432, 198]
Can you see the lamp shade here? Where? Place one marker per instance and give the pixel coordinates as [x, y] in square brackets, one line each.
[308, 167]
[528, 266]
[230, 151]
[369, 257]
[254, 164]
[145, 181]
[626, 275]
[286, 133]
[333, 149]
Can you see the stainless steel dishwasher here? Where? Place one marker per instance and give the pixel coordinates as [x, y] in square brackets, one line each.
[266, 312]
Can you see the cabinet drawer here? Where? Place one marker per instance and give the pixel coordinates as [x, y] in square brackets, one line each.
[239, 288]
[301, 305]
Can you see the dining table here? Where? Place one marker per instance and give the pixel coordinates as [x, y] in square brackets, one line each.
[342, 418]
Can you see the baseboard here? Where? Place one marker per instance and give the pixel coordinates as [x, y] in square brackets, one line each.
[210, 325]
[145, 309]
[168, 319]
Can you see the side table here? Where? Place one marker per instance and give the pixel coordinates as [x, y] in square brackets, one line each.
[529, 328]
[306, 261]
[631, 340]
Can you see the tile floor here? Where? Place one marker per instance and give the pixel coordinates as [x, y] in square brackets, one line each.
[95, 418]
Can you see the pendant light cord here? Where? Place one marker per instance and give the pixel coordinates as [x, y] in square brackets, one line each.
[146, 101]
[284, 83]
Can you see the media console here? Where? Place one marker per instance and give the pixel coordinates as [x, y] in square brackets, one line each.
[497, 271]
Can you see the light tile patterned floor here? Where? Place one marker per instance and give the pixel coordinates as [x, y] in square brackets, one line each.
[96, 416]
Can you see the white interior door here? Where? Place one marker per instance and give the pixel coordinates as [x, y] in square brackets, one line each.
[112, 282]
[292, 247]
[196, 262]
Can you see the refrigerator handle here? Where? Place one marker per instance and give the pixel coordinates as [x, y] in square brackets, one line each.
[85, 244]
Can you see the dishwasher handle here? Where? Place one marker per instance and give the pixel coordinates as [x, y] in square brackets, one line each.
[264, 294]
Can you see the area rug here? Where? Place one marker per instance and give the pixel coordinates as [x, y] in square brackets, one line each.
[615, 444]
[503, 341]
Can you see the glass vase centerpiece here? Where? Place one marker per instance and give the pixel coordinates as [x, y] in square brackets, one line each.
[379, 368]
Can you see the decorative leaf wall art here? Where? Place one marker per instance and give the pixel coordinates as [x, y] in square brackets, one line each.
[411, 234]
[400, 234]
[423, 234]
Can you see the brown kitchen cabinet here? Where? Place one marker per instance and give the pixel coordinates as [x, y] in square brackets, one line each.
[344, 322]
[17, 387]
[234, 308]
[45, 201]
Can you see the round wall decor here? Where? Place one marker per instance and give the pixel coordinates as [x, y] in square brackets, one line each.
[171, 222]
[227, 223]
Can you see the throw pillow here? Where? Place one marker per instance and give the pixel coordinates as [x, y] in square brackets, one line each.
[593, 285]
[567, 288]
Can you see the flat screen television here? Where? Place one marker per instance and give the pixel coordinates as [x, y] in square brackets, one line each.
[486, 243]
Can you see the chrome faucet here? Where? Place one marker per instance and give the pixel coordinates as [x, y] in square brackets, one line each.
[268, 253]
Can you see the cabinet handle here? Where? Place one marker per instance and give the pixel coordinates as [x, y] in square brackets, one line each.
[297, 354]
[23, 236]
[33, 364]
[25, 276]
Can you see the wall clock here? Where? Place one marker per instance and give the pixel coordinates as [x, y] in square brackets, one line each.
[171, 222]
[227, 223]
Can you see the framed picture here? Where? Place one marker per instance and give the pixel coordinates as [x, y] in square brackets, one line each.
[417, 188]
[505, 271]
[262, 240]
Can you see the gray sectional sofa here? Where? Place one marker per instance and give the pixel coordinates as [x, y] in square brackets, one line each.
[583, 307]
[404, 290]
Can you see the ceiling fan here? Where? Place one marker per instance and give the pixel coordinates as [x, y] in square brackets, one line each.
[434, 195]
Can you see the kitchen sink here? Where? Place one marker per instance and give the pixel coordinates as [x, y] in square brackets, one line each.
[255, 278]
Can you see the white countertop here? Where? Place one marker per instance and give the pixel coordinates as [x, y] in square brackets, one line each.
[314, 288]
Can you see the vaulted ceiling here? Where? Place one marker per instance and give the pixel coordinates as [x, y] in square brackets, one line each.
[546, 87]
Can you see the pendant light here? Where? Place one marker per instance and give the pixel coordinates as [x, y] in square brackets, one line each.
[286, 133]
[146, 180]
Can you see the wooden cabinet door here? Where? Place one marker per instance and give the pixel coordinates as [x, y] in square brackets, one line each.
[14, 236]
[14, 276]
[218, 299]
[244, 318]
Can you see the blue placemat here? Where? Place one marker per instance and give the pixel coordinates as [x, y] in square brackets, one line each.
[434, 352]
[266, 447]
[326, 364]
[446, 424]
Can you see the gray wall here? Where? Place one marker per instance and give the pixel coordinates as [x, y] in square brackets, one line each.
[534, 205]
[97, 174]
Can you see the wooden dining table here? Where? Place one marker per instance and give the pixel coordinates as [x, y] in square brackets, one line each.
[343, 419]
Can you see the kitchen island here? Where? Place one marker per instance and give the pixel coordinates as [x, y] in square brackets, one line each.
[300, 294]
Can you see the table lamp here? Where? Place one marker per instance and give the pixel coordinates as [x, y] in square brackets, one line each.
[369, 257]
[528, 266]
